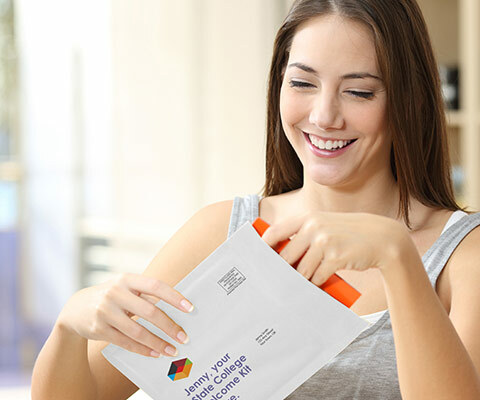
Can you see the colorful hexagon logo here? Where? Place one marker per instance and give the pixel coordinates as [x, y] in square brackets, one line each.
[180, 369]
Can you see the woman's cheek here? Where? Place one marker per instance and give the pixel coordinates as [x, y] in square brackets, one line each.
[292, 108]
[375, 121]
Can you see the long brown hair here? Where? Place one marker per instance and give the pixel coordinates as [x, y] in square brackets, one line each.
[419, 158]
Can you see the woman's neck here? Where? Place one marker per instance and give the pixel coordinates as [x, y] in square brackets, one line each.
[380, 195]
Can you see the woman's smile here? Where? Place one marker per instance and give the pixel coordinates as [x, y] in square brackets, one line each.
[327, 147]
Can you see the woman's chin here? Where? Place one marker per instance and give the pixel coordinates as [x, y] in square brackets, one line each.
[327, 178]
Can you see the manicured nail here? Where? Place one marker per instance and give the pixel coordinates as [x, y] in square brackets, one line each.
[170, 350]
[155, 354]
[183, 337]
[187, 305]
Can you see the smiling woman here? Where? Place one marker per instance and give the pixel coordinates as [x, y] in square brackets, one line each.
[358, 66]
[357, 176]
[356, 131]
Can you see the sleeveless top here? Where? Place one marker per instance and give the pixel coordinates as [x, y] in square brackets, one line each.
[366, 369]
[456, 216]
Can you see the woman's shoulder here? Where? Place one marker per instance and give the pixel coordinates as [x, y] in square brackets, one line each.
[467, 254]
[209, 225]
[195, 240]
[461, 274]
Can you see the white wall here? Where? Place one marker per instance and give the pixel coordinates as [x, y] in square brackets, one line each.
[189, 104]
[133, 115]
[44, 53]
[64, 103]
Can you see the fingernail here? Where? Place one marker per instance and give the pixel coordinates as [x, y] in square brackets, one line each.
[183, 337]
[170, 350]
[155, 354]
[187, 305]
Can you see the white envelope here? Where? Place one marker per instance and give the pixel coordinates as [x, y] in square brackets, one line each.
[258, 331]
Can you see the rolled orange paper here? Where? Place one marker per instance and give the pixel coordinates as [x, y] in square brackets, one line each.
[334, 286]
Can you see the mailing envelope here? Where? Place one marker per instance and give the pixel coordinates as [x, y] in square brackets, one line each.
[258, 331]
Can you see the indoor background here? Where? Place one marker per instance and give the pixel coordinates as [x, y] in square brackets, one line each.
[119, 119]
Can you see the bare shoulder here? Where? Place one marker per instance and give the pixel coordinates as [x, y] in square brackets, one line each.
[192, 243]
[464, 280]
[188, 247]
[464, 265]
[460, 269]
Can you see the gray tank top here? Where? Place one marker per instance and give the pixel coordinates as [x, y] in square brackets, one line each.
[366, 369]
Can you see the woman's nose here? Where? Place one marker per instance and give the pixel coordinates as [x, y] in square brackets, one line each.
[325, 113]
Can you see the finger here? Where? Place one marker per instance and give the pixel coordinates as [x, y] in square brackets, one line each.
[118, 338]
[149, 298]
[150, 312]
[295, 249]
[140, 334]
[282, 230]
[324, 271]
[310, 262]
[155, 287]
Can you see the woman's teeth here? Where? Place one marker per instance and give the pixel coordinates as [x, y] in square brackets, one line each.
[329, 144]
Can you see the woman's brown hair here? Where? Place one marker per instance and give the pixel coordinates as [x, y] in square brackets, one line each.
[420, 159]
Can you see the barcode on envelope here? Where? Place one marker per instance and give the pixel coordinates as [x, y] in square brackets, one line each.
[231, 280]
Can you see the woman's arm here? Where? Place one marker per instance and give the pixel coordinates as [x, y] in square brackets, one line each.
[437, 357]
[61, 369]
[72, 367]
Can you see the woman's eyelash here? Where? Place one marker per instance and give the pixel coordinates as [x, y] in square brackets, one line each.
[363, 95]
[300, 84]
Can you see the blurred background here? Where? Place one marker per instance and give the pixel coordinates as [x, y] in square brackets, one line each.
[120, 119]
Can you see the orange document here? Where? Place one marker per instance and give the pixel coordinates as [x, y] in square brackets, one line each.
[334, 286]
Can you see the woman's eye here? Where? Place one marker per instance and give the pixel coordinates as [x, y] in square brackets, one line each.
[300, 84]
[363, 95]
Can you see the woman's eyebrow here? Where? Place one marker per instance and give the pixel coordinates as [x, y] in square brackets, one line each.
[304, 67]
[352, 75]
[360, 75]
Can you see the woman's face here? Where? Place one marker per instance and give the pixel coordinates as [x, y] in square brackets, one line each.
[333, 102]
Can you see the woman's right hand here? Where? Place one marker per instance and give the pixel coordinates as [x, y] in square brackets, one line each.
[104, 312]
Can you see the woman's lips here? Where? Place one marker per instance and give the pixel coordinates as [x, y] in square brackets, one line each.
[327, 153]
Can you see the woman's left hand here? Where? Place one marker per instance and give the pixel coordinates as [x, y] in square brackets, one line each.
[331, 241]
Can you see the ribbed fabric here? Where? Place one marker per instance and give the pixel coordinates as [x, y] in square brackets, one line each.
[243, 209]
[366, 369]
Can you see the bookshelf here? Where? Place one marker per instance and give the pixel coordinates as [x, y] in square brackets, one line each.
[469, 60]
[454, 29]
